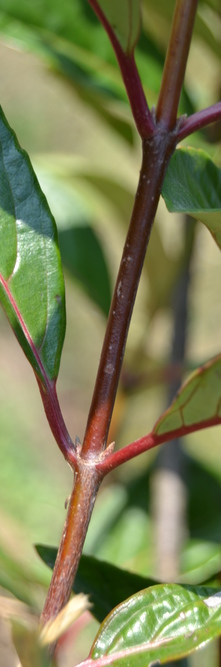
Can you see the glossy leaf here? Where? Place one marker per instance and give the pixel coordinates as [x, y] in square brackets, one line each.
[31, 279]
[193, 185]
[198, 400]
[124, 18]
[162, 623]
[105, 584]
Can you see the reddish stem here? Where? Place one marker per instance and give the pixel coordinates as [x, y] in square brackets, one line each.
[56, 421]
[87, 481]
[148, 442]
[47, 387]
[159, 141]
[138, 103]
[175, 63]
[156, 153]
[199, 120]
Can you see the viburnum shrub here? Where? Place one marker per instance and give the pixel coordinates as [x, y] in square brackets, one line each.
[150, 623]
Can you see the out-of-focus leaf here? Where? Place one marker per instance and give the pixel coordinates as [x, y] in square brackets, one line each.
[193, 185]
[81, 250]
[164, 11]
[125, 511]
[31, 279]
[198, 400]
[83, 256]
[162, 623]
[16, 578]
[204, 509]
[105, 584]
[124, 18]
[29, 650]
[200, 562]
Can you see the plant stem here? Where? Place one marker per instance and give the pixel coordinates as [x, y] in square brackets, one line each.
[156, 153]
[159, 142]
[175, 63]
[199, 120]
[87, 482]
[138, 103]
[150, 441]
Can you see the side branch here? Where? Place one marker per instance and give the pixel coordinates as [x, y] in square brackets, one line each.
[139, 107]
[199, 120]
[175, 63]
[150, 441]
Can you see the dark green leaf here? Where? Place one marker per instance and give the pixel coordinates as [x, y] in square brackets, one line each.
[83, 256]
[162, 623]
[193, 185]
[31, 279]
[105, 584]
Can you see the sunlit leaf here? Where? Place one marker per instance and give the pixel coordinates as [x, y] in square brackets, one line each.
[124, 18]
[31, 279]
[105, 584]
[162, 623]
[198, 400]
[193, 185]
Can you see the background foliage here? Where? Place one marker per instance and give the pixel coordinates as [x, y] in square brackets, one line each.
[62, 93]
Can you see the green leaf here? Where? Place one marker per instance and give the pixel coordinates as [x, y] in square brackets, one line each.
[106, 584]
[83, 256]
[124, 18]
[31, 279]
[192, 186]
[198, 400]
[162, 623]
[81, 249]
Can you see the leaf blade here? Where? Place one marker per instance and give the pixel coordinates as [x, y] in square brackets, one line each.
[31, 283]
[106, 584]
[161, 623]
[198, 400]
[192, 185]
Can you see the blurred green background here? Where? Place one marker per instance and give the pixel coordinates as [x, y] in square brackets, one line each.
[62, 94]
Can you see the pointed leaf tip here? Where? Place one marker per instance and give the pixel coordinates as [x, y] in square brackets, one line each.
[31, 278]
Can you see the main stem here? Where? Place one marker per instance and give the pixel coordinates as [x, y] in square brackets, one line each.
[156, 154]
[159, 141]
